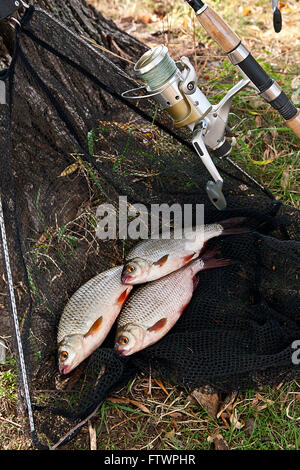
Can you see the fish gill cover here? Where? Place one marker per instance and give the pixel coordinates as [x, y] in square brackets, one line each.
[65, 154]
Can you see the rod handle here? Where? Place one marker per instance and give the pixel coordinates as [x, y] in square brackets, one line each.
[294, 123]
[218, 29]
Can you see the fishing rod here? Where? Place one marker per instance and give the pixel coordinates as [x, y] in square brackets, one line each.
[174, 86]
[242, 58]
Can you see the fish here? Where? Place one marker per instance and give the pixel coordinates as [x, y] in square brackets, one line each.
[153, 308]
[88, 317]
[154, 258]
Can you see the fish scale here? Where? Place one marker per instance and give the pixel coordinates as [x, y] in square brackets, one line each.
[82, 310]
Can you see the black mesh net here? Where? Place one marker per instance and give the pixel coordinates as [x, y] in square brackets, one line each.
[62, 154]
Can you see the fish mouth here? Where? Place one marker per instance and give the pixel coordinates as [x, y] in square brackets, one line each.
[63, 369]
[127, 279]
[120, 352]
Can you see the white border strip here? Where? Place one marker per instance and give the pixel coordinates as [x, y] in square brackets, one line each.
[15, 317]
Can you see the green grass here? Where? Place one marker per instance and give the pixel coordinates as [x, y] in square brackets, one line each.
[174, 422]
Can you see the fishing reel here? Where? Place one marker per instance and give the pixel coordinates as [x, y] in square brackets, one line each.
[173, 85]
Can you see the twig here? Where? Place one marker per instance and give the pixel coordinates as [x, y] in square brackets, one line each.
[11, 422]
[149, 444]
[125, 421]
[79, 425]
[93, 436]
[287, 411]
[98, 46]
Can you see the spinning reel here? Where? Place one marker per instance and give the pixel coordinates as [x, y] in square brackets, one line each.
[174, 86]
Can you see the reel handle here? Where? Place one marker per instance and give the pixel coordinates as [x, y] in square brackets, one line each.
[277, 20]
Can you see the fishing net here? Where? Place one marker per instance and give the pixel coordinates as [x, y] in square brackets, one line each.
[65, 153]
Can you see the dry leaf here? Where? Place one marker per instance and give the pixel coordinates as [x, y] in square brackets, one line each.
[227, 403]
[42, 239]
[174, 423]
[258, 121]
[245, 11]
[176, 414]
[146, 19]
[161, 385]
[285, 177]
[295, 83]
[69, 170]
[262, 407]
[118, 400]
[170, 434]
[186, 24]
[139, 405]
[236, 424]
[209, 401]
[267, 138]
[218, 441]
[267, 400]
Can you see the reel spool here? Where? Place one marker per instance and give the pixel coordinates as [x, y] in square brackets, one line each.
[174, 89]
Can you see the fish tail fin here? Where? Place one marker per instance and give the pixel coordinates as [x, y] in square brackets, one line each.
[209, 254]
[234, 225]
[203, 263]
[232, 222]
[216, 263]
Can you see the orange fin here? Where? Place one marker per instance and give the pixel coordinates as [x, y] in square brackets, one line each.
[161, 261]
[123, 296]
[158, 325]
[94, 328]
[188, 258]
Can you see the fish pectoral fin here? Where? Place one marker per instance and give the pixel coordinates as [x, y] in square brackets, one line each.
[188, 258]
[123, 296]
[94, 328]
[158, 325]
[161, 261]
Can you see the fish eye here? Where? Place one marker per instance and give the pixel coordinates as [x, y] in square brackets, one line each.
[123, 340]
[130, 268]
[64, 355]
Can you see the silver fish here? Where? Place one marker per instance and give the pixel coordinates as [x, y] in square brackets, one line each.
[153, 309]
[152, 259]
[89, 316]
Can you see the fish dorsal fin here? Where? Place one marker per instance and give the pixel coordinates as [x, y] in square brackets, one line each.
[158, 325]
[94, 328]
[161, 261]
